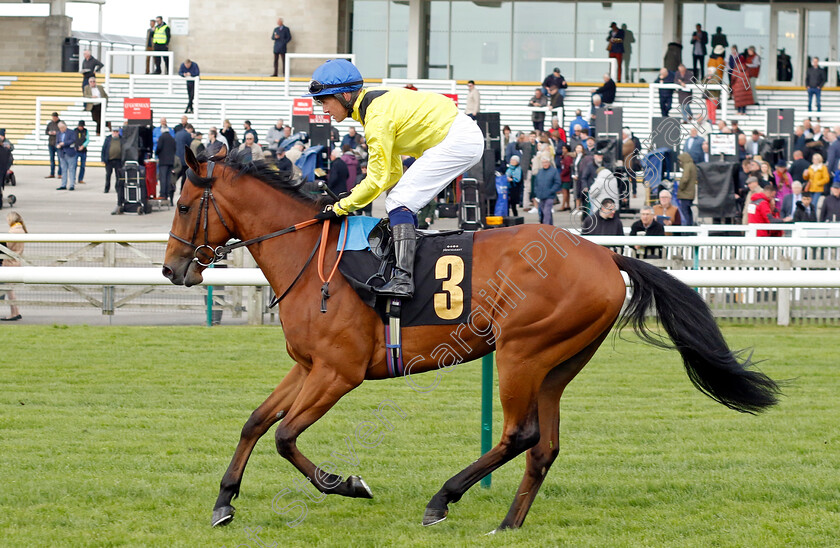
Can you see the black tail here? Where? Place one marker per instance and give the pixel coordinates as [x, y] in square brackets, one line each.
[713, 368]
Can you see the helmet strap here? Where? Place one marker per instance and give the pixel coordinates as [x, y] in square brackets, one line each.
[348, 105]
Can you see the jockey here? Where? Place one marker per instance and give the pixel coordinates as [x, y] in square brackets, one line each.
[427, 126]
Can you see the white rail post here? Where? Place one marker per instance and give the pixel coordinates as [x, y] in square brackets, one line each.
[38, 120]
[109, 259]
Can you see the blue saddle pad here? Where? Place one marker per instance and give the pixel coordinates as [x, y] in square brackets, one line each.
[358, 230]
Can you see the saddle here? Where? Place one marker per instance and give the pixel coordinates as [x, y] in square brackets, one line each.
[442, 273]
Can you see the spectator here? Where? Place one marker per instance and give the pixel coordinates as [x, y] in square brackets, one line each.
[247, 126]
[606, 91]
[666, 212]
[183, 138]
[684, 78]
[281, 36]
[165, 151]
[629, 40]
[555, 100]
[719, 39]
[782, 180]
[150, 35]
[283, 163]
[763, 211]
[736, 128]
[507, 138]
[815, 79]
[666, 95]
[512, 148]
[473, 100]
[514, 178]
[90, 65]
[604, 222]
[647, 225]
[112, 158]
[16, 226]
[215, 142]
[52, 131]
[546, 186]
[180, 126]
[712, 95]
[756, 146]
[699, 39]
[196, 145]
[630, 150]
[229, 134]
[160, 41]
[250, 149]
[189, 70]
[804, 211]
[337, 178]
[833, 150]
[694, 145]
[538, 103]
[615, 47]
[808, 129]
[351, 139]
[65, 141]
[578, 121]
[275, 136]
[557, 133]
[368, 209]
[352, 162]
[790, 201]
[604, 185]
[583, 173]
[687, 188]
[162, 128]
[753, 188]
[739, 80]
[830, 212]
[96, 92]
[766, 175]
[799, 166]
[817, 176]
[555, 79]
[742, 147]
[564, 165]
[752, 62]
[706, 155]
[717, 62]
[597, 105]
[82, 142]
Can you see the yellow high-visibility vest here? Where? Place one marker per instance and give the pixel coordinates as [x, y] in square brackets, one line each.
[160, 34]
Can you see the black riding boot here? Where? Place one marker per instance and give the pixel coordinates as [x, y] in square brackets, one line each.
[402, 284]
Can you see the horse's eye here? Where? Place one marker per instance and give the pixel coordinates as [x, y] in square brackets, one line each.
[183, 209]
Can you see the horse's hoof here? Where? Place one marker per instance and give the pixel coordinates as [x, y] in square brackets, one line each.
[434, 515]
[358, 488]
[222, 516]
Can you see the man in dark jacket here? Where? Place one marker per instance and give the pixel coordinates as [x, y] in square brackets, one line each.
[666, 95]
[805, 210]
[112, 158]
[607, 91]
[89, 67]
[604, 222]
[815, 80]
[719, 38]
[150, 34]
[337, 179]
[52, 131]
[830, 210]
[283, 163]
[189, 69]
[165, 151]
[546, 186]
[647, 225]
[281, 36]
[699, 39]
[183, 138]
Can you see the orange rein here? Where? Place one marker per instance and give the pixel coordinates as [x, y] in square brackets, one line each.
[321, 253]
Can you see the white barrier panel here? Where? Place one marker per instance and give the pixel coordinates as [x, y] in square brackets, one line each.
[653, 98]
[588, 60]
[109, 54]
[132, 78]
[424, 83]
[56, 99]
[289, 56]
[254, 277]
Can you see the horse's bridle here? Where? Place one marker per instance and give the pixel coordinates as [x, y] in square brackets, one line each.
[218, 253]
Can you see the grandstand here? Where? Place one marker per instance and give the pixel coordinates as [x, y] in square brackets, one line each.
[263, 101]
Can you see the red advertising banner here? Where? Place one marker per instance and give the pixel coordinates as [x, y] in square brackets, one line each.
[319, 118]
[453, 96]
[302, 106]
[137, 108]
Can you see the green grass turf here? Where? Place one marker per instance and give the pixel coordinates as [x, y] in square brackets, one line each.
[119, 437]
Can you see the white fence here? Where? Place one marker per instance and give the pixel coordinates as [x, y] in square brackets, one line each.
[111, 54]
[39, 101]
[289, 56]
[613, 65]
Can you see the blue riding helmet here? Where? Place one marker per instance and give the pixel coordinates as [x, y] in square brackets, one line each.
[335, 76]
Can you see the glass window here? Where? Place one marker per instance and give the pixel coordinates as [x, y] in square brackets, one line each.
[746, 25]
[368, 37]
[536, 34]
[398, 40]
[439, 40]
[481, 41]
[593, 27]
[647, 52]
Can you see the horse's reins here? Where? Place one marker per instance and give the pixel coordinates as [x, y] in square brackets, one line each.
[219, 252]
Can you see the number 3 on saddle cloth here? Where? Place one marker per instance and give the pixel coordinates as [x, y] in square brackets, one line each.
[442, 274]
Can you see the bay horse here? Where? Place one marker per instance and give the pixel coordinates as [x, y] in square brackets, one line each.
[553, 299]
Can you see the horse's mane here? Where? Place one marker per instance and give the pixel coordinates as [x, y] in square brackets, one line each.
[266, 172]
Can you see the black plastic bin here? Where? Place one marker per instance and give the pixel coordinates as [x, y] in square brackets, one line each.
[70, 55]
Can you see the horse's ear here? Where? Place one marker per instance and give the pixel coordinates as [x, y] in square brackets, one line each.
[189, 156]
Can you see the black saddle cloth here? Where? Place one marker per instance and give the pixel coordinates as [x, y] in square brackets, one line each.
[442, 279]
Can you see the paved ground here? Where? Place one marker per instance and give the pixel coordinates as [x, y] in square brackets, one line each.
[88, 209]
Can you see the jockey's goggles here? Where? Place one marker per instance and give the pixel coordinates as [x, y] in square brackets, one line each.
[316, 87]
